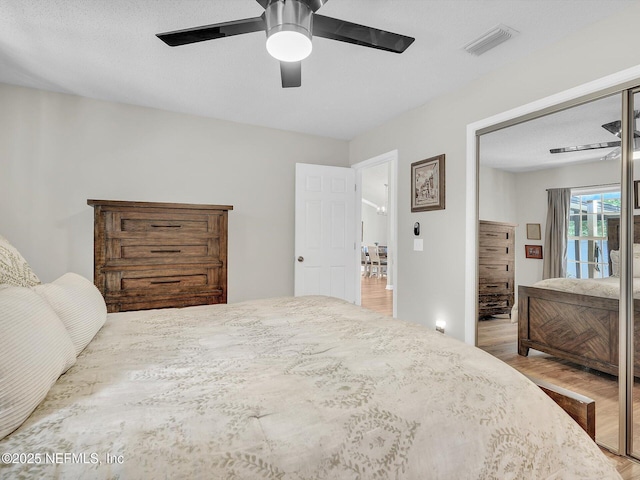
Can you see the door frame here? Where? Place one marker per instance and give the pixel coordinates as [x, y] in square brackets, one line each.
[392, 267]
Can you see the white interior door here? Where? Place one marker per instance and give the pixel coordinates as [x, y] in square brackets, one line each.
[324, 232]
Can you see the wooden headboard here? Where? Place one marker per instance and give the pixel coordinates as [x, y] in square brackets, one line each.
[613, 231]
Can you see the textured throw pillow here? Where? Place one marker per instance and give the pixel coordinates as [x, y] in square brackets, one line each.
[615, 261]
[79, 304]
[614, 255]
[14, 269]
[36, 350]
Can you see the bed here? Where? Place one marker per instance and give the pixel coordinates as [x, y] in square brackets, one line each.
[283, 388]
[577, 320]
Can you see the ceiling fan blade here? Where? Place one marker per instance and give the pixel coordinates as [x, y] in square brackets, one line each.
[291, 73]
[613, 127]
[613, 154]
[211, 32]
[343, 31]
[580, 148]
[616, 129]
[315, 5]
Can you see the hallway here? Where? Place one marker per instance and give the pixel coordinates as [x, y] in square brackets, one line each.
[375, 296]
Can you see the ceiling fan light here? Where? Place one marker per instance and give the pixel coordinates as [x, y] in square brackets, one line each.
[289, 45]
[289, 25]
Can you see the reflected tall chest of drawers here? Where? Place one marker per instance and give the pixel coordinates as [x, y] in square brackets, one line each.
[496, 268]
[159, 255]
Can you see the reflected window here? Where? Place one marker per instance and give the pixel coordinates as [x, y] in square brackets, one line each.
[587, 246]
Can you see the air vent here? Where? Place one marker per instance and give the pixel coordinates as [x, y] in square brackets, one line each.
[489, 40]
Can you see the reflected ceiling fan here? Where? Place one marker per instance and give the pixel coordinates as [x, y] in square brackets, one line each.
[290, 25]
[615, 128]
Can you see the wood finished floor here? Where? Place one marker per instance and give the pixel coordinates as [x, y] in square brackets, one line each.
[375, 296]
[498, 336]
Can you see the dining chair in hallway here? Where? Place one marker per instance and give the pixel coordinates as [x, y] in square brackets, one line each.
[364, 262]
[377, 262]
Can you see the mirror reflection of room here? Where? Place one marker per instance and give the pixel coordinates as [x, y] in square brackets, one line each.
[548, 282]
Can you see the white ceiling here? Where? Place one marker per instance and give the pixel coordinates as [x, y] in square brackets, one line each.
[525, 146]
[107, 49]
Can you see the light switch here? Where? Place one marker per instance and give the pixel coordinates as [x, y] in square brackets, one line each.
[417, 244]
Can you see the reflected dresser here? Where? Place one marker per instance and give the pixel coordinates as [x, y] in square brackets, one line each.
[496, 268]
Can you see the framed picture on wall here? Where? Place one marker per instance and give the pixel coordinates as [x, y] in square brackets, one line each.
[427, 184]
[533, 251]
[533, 231]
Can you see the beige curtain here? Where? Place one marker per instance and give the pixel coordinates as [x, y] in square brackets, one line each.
[555, 237]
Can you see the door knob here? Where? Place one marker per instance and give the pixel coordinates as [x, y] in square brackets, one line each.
[301, 259]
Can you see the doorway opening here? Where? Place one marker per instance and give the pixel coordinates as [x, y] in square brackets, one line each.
[376, 219]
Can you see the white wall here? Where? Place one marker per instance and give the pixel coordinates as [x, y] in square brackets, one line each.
[56, 151]
[431, 284]
[496, 195]
[375, 226]
[532, 204]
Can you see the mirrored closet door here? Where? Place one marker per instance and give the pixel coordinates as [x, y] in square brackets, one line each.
[633, 384]
[556, 179]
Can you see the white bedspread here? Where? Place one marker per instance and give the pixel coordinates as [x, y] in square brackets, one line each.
[294, 388]
[596, 287]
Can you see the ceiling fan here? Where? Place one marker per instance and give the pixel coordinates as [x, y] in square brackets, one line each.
[290, 25]
[615, 128]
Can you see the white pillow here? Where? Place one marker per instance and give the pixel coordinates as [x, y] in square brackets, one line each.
[35, 350]
[614, 255]
[615, 261]
[14, 269]
[79, 305]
